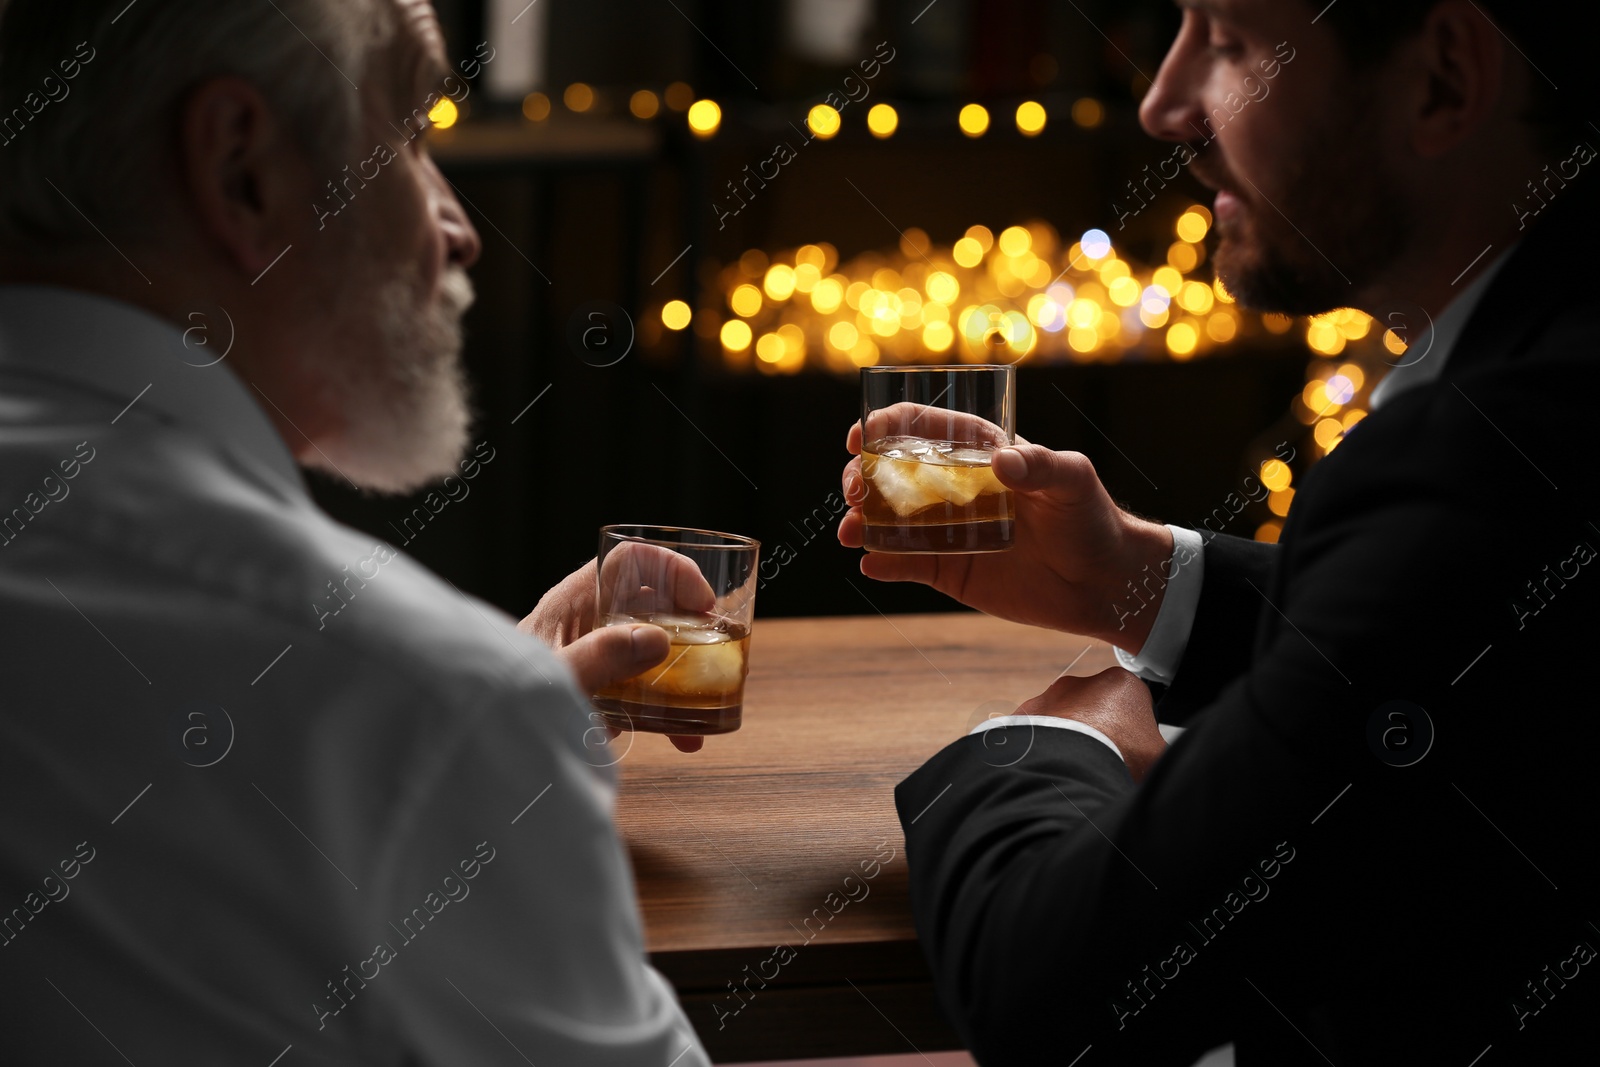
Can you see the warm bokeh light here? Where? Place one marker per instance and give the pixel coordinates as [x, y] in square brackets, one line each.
[1196, 297]
[967, 252]
[1278, 502]
[770, 348]
[578, 97]
[1277, 323]
[779, 282]
[827, 296]
[974, 119]
[883, 120]
[675, 315]
[1182, 339]
[1393, 343]
[1014, 240]
[824, 121]
[1324, 337]
[704, 117]
[1193, 224]
[644, 104]
[536, 107]
[1327, 431]
[942, 287]
[1276, 475]
[679, 96]
[1222, 327]
[1170, 281]
[444, 114]
[938, 336]
[1182, 257]
[843, 336]
[1124, 291]
[736, 335]
[1088, 112]
[745, 301]
[1268, 532]
[1031, 118]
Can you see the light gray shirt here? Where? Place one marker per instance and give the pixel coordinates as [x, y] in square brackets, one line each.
[272, 789]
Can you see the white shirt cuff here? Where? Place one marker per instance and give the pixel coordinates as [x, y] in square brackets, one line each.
[1046, 720]
[1158, 660]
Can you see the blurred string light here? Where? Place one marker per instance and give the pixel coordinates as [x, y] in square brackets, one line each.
[824, 121]
[644, 104]
[444, 114]
[1015, 293]
[705, 116]
[536, 107]
[882, 121]
[1088, 112]
[1031, 118]
[974, 120]
[678, 96]
[578, 97]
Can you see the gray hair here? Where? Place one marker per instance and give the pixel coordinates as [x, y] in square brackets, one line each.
[90, 93]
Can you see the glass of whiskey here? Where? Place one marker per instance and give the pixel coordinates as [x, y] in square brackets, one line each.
[928, 436]
[699, 586]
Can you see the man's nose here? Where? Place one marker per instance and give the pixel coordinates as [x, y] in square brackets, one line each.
[1170, 111]
[461, 237]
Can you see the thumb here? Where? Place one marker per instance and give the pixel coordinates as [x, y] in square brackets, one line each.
[1065, 476]
[614, 653]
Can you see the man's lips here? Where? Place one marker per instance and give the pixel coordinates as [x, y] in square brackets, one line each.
[1226, 207]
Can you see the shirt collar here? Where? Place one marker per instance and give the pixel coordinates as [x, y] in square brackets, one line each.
[129, 355]
[1436, 343]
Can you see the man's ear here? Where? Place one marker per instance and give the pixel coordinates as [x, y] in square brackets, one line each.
[245, 177]
[1463, 56]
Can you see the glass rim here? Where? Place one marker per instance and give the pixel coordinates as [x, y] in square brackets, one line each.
[934, 367]
[735, 541]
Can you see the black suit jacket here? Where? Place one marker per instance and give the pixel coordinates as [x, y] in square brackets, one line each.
[1376, 842]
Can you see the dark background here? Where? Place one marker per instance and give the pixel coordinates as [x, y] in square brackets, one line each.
[667, 435]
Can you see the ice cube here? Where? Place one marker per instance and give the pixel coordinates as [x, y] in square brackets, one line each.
[898, 483]
[949, 483]
[969, 457]
[701, 670]
[958, 484]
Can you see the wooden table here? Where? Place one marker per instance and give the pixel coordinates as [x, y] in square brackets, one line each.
[747, 845]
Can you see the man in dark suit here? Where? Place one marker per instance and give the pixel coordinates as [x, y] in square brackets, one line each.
[1375, 841]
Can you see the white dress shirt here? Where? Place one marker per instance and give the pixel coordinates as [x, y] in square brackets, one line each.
[271, 788]
[1163, 649]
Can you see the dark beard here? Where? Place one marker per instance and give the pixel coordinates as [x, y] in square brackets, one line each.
[1338, 224]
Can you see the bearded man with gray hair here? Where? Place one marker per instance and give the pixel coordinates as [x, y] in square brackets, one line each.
[272, 791]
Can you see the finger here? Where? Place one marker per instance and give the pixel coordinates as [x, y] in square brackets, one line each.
[1065, 476]
[854, 483]
[851, 532]
[614, 654]
[892, 567]
[686, 742]
[641, 578]
[931, 423]
[852, 440]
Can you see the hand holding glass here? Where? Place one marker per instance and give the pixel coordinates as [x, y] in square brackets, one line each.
[928, 435]
[700, 587]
